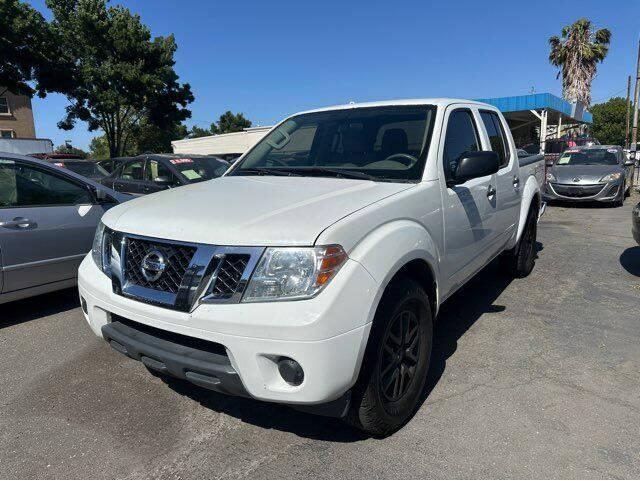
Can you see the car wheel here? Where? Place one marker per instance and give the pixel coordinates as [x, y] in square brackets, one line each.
[520, 260]
[396, 362]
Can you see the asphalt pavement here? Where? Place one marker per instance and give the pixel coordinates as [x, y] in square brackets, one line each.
[535, 377]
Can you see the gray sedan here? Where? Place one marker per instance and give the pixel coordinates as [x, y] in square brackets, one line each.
[595, 173]
[48, 217]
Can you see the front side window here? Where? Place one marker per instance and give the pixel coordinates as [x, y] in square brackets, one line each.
[4, 105]
[22, 186]
[497, 137]
[461, 137]
[132, 171]
[589, 157]
[374, 143]
[6, 134]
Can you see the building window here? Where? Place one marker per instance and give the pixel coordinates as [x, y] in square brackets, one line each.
[6, 134]
[4, 106]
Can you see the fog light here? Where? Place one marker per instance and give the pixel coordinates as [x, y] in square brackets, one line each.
[290, 371]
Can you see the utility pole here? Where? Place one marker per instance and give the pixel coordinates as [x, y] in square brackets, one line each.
[626, 132]
[634, 133]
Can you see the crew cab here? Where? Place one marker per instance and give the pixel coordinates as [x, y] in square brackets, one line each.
[311, 273]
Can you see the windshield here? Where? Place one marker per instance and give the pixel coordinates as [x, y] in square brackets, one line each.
[200, 168]
[88, 169]
[375, 143]
[589, 157]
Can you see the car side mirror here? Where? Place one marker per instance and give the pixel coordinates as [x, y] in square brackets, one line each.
[163, 181]
[629, 162]
[473, 165]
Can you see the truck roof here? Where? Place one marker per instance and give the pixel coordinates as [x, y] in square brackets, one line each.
[390, 103]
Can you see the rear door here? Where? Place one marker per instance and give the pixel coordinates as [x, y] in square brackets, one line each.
[154, 171]
[469, 208]
[47, 223]
[130, 177]
[508, 193]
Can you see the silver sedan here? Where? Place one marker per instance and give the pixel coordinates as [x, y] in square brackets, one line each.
[595, 173]
[48, 217]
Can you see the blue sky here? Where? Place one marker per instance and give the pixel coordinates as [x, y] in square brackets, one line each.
[270, 59]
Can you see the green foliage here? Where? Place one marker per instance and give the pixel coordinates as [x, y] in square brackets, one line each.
[121, 77]
[30, 50]
[577, 54]
[99, 148]
[147, 138]
[227, 123]
[70, 149]
[609, 121]
[230, 122]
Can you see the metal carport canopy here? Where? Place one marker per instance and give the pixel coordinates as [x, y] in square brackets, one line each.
[545, 109]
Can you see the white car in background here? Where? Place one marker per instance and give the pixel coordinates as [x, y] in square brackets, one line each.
[310, 273]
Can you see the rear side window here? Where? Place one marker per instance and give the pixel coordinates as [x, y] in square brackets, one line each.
[461, 137]
[132, 171]
[496, 135]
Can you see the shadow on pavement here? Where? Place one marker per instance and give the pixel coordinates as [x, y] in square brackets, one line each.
[32, 308]
[457, 315]
[630, 260]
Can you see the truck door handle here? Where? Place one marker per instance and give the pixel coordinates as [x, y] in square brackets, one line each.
[19, 223]
[491, 191]
[516, 181]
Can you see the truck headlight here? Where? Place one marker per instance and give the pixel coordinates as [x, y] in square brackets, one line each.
[288, 273]
[101, 249]
[611, 177]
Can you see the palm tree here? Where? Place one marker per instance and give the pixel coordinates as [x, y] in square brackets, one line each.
[577, 54]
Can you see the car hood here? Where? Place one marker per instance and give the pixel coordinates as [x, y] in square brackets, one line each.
[588, 174]
[248, 211]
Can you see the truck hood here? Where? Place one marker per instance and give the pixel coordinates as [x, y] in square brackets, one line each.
[248, 211]
[588, 174]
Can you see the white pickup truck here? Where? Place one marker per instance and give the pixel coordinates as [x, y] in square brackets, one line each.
[310, 274]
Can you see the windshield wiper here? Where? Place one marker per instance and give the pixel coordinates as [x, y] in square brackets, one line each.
[340, 173]
[263, 171]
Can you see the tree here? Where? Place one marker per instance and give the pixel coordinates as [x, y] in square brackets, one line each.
[577, 54]
[120, 76]
[230, 122]
[70, 149]
[99, 148]
[31, 52]
[227, 123]
[151, 138]
[609, 121]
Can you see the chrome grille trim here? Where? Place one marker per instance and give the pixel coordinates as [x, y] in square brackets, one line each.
[197, 282]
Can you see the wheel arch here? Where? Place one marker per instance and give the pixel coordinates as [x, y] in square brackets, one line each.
[530, 198]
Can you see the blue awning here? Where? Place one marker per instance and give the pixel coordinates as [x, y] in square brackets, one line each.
[547, 101]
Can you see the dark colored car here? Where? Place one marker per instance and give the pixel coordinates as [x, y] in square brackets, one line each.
[110, 164]
[150, 173]
[635, 226]
[87, 168]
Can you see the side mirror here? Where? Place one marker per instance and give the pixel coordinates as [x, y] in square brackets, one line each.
[473, 165]
[162, 181]
[629, 162]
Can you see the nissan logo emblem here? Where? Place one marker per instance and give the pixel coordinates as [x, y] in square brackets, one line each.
[153, 265]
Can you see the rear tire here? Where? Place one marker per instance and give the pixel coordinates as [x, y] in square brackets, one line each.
[396, 361]
[520, 260]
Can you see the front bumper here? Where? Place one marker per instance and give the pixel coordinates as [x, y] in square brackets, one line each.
[326, 335]
[583, 192]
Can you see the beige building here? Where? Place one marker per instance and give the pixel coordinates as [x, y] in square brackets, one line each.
[16, 116]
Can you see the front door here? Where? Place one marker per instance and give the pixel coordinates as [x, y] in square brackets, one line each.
[130, 178]
[468, 209]
[47, 224]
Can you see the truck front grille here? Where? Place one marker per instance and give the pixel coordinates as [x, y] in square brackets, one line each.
[229, 275]
[177, 258]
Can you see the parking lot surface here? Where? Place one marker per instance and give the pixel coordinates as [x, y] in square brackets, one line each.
[535, 377]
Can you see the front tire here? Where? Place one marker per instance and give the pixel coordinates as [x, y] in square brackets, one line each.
[396, 362]
[520, 260]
